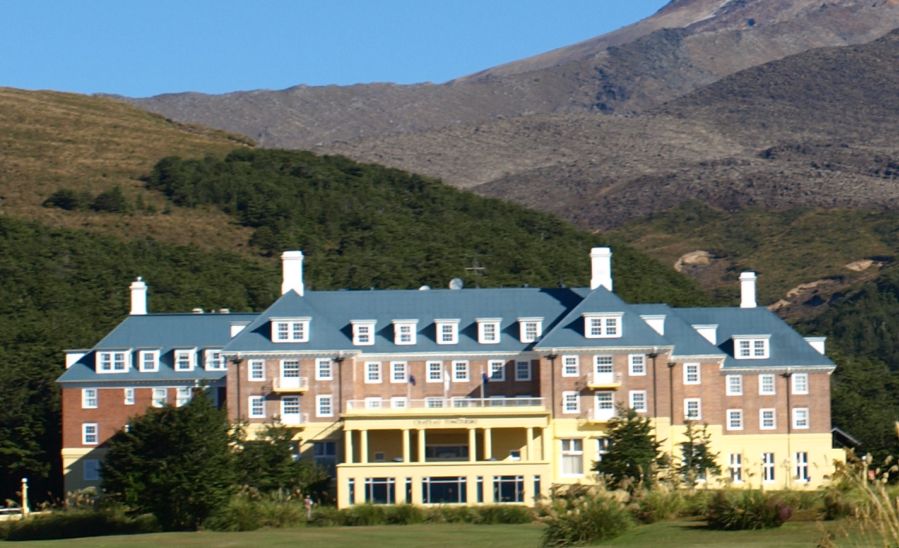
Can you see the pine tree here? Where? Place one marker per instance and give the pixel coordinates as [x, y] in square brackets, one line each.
[269, 463]
[697, 459]
[634, 454]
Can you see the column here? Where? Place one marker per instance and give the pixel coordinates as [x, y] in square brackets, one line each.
[421, 445]
[546, 444]
[488, 444]
[348, 446]
[472, 445]
[363, 446]
[529, 433]
[405, 434]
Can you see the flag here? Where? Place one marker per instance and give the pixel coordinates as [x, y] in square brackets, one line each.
[412, 380]
[485, 378]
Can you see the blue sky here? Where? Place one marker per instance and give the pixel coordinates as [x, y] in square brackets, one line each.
[143, 47]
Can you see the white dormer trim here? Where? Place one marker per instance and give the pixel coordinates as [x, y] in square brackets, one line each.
[446, 331]
[113, 361]
[708, 331]
[405, 332]
[655, 321]
[364, 332]
[752, 347]
[236, 327]
[530, 329]
[290, 329]
[214, 360]
[817, 343]
[603, 325]
[148, 360]
[489, 330]
[74, 356]
[178, 359]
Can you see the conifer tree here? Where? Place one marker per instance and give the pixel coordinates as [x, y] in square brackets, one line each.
[697, 459]
[634, 454]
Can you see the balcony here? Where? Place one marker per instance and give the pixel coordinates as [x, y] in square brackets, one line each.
[445, 406]
[604, 381]
[600, 415]
[290, 384]
[294, 419]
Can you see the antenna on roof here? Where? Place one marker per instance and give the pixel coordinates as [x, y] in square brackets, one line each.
[456, 283]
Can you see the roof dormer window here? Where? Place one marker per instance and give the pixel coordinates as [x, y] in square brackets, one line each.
[214, 360]
[148, 360]
[290, 329]
[530, 329]
[602, 326]
[447, 331]
[185, 359]
[488, 330]
[364, 332]
[751, 347]
[405, 331]
[113, 361]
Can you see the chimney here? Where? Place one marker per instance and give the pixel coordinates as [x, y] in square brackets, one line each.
[747, 290]
[138, 297]
[601, 261]
[292, 272]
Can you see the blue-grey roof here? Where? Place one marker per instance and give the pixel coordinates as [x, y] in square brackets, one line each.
[682, 336]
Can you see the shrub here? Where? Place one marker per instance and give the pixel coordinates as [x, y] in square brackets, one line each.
[749, 509]
[80, 523]
[452, 514]
[325, 516]
[363, 514]
[111, 201]
[696, 503]
[403, 514]
[68, 199]
[650, 506]
[585, 519]
[503, 514]
[240, 514]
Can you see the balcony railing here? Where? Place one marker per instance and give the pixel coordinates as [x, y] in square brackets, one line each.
[446, 404]
[290, 384]
[603, 380]
[600, 415]
[294, 419]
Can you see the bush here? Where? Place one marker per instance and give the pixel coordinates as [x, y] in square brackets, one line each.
[403, 514]
[325, 516]
[696, 503]
[111, 201]
[452, 514]
[243, 513]
[68, 199]
[363, 514]
[650, 506]
[749, 509]
[503, 514]
[585, 519]
[80, 523]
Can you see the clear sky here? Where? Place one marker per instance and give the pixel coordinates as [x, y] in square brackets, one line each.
[145, 47]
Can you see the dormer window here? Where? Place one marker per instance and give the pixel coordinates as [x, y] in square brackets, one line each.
[447, 331]
[530, 329]
[753, 347]
[364, 332]
[148, 360]
[290, 329]
[602, 326]
[488, 330]
[405, 331]
[113, 361]
[185, 359]
[213, 360]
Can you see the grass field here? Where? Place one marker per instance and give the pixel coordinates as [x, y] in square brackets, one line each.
[678, 533]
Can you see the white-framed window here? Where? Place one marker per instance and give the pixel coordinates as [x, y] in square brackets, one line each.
[290, 369]
[571, 402]
[89, 397]
[602, 447]
[399, 372]
[800, 463]
[800, 418]
[734, 385]
[636, 365]
[433, 402]
[637, 400]
[766, 384]
[523, 370]
[160, 397]
[405, 332]
[799, 383]
[399, 402]
[91, 469]
[364, 332]
[90, 433]
[488, 330]
[735, 463]
[372, 372]
[324, 369]
[256, 405]
[603, 365]
[129, 396]
[496, 370]
[571, 366]
[213, 360]
[256, 370]
[290, 407]
[767, 419]
[183, 395]
[324, 405]
[447, 331]
[572, 457]
[460, 371]
[148, 360]
[751, 347]
[374, 402]
[768, 467]
[290, 329]
[530, 329]
[185, 359]
[692, 373]
[602, 326]
[113, 361]
[692, 409]
[435, 371]
[734, 419]
[604, 405]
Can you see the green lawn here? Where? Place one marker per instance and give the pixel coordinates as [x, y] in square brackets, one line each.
[677, 533]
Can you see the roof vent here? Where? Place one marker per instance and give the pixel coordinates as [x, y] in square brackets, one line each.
[424, 288]
[456, 284]
[197, 310]
[224, 310]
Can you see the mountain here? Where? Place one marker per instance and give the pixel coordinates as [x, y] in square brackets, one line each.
[687, 44]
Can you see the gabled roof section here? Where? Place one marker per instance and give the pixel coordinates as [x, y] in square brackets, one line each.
[569, 332]
[679, 334]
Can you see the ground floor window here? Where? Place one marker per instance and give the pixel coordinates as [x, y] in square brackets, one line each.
[736, 467]
[801, 460]
[325, 455]
[572, 457]
[408, 490]
[444, 490]
[480, 488]
[508, 489]
[537, 487]
[351, 490]
[602, 448]
[380, 490]
[768, 466]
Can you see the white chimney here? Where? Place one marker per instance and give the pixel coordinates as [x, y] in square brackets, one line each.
[292, 272]
[747, 290]
[138, 297]
[601, 262]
